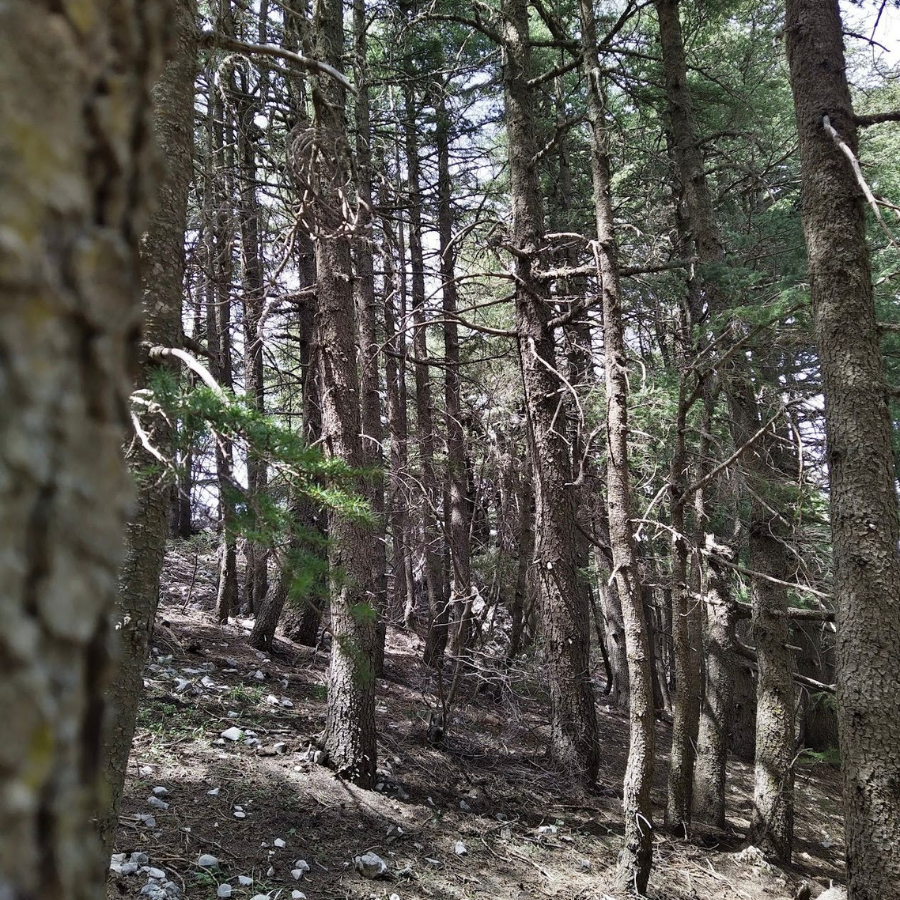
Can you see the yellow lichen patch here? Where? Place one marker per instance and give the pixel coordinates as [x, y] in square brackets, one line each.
[82, 14]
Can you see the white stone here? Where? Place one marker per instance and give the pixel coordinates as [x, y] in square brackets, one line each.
[240, 814]
[548, 829]
[232, 734]
[224, 890]
[156, 803]
[464, 806]
[298, 895]
[272, 700]
[287, 704]
[259, 675]
[278, 842]
[145, 771]
[302, 865]
[207, 861]
[159, 874]
[245, 880]
[161, 791]
[460, 849]
[213, 793]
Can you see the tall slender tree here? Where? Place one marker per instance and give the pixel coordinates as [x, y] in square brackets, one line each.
[864, 520]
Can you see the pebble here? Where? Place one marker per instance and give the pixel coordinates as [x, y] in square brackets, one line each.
[240, 814]
[140, 858]
[506, 833]
[280, 747]
[585, 865]
[161, 791]
[224, 890]
[278, 842]
[156, 803]
[213, 793]
[147, 820]
[464, 806]
[460, 849]
[245, 880]
[287, 704]
[207, 861]
[272, 700]
[158, 874]
[145, 771]
[232, 734]
[260, 897]
[547, 829]
[259, 675]
[370, 865]
[298, 895]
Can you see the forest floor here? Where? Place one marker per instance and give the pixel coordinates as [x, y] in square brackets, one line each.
[526, 831]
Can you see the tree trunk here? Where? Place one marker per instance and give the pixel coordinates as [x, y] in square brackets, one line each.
[162, 275]
[863, 496]
[364, 288]
[438, 600]
[636, 857]
[76, 184]
[460, 551]
[718, 696]
[565, 612]
[349, 738]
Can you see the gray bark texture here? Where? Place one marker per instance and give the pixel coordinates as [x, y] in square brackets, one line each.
[162, 274]
[349, 736]
[565, 609]
[858, 430]
[636, 856]
[77, 164]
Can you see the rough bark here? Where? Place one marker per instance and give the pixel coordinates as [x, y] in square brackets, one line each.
[636, 856]
[766, 533]
[718, 696]
[162, 275]
[364, 290]
[863, 498]
[460, 550]
[77, 166]
[565, 612]
[438, 599]
[349, 738]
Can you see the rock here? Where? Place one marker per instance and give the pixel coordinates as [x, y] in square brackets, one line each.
[213, 793]
[145, 771]
[207, 682]
[172, 890]
[260, 897]
[370, 865]
[128, 868]
[270, 871]
[301, 867]
[460, 849]
[506, 833]
[158, 874]
[153, 891]
[279, 748]
[298, 895]
[140, 858]
[585, 865]
[287, 704]
[240, 814]
[259, 675]
[464, 806]
[232, 734]
[245, 880]
[117, 859]
[547, 829]
[207, 861]
[278, 842]
[835, 892]
[160, 791]
[394, 897]
[156, 803]
[147, 820]
[272, 700]
[224, 890]
[395, 831]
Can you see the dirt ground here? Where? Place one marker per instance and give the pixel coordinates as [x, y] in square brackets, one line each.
[524, 831]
